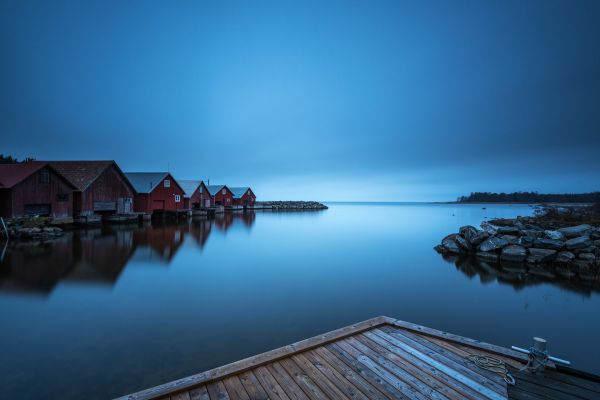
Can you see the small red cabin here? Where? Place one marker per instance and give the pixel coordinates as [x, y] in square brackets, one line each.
[220, 195]
[156, 191]
[243, 196]
[102, 188]
[196, 195]
[34, 188]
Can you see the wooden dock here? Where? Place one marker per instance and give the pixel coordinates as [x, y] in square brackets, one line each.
[381, 358]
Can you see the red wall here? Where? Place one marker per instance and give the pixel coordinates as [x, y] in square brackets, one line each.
[225, 199]
[147, 203]
[31, 191]
[249, 198]
[198, 197]
[109, 186]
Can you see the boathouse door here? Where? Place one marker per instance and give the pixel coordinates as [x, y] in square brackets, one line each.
[158, 205]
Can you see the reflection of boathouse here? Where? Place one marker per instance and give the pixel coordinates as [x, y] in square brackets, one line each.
[200, 231]
[159, 243]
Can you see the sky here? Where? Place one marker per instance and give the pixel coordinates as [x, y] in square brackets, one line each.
[323, 100]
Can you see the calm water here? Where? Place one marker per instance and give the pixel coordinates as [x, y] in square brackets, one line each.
[105, 312]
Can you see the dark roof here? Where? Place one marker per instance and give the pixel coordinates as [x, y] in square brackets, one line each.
[238, 192]
[214, 189]
[12, 174]
[83, 173]
[146, 182]
[189, 186]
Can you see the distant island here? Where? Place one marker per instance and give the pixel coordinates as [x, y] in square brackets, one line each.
[529, 197]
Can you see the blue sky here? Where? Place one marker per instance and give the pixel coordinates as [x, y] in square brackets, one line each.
[352, 100]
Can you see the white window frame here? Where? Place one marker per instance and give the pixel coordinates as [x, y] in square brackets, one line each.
[224, 191]
[167, 183]
[177, 198]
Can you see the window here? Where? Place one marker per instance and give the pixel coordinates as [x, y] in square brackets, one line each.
[223, 191]
[200, 189]
[62, 197]
[249, 192]
[44, 177]
[177, 198]
[167, 183]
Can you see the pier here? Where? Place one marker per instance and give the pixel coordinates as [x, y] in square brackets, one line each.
[381, 358]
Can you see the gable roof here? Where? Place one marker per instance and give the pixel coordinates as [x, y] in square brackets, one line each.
[145, 182]
[12, 174]
[83, 173]
[238, 192]
[214, 189]
[189, 186]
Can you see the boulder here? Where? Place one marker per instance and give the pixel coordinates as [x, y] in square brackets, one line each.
[468, 232]
[463, 243]
[492, 244]
[580, 242]
[538, 256]
[586, 256]
[580, 265]
[554, 235]
[487, 256]
[565, 257]
[532, 233]
[575, 231]
[513, 253]
[489, 228]
[440, 249]
[508, 230]
[525, 241]
[511, 239]
[450, 245]
[548, 244]
[479, 237]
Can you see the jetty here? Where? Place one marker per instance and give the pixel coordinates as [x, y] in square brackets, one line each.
[382, 358]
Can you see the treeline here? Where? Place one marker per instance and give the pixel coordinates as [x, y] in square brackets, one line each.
[529, 197]
[12, 160]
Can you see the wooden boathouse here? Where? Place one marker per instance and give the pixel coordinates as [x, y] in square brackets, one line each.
[156, 192]
[102, 188]
[220, 195]
[381, 358]
[243, 196]
[35, 188]
[196, 194]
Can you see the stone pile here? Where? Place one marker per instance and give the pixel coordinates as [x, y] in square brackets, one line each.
[516, 241]
[32, 229]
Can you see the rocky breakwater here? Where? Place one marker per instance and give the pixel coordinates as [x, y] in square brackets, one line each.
[293, 205]
[31, 229]
[568, 250]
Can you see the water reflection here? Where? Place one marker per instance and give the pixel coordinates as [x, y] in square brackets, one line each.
[100, 255]
[521, 275]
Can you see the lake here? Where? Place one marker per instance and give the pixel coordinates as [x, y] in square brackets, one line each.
[107, 311]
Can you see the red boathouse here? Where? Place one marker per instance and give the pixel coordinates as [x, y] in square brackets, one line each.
[243, 196]
[156, 191]
[35, 188]
[102, 188]
[220, 195]
[196, 195]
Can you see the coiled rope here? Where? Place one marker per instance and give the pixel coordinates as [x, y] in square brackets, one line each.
[492, 364]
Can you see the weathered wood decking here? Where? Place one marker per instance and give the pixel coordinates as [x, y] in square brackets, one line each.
[381, 358]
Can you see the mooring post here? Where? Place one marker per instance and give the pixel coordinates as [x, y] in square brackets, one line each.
[5, 229]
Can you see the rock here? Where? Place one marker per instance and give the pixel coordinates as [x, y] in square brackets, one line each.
[36, 230]
[597, 243]
[511, 239]
[493, 243]
[525, 241]
[580, 265]
[519, 225]
[532, 233]
[487, 256]
[565, 257]
[575, 231]
[514, 253]
[479, 238]
[538, 256]
[554, 235]
[468, 232]
[463, 243]
[578, 242]
[586, 256]
[548, 244]
[440, 249]
[450, 245]
[508, 230]
[489, 228]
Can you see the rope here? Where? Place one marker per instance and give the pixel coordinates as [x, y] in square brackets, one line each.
[492, 364]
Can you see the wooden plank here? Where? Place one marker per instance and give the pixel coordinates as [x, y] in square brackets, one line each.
[451, 355]
[334, 376]
[460, 339]
[181, 396]
[235, 388]
[287, 382]
[309, 386]
[543, 391]
[445, 380]
[558, 386]
[356, 379]
[328, 387]
[253, 387]
[270, 384]
[399, 371]
[200, 393]
[464, 351]
[217, 391]
[574, 380]
[254, 361]
[485, 387]
[398, 383]
[418, 372]
[374, 379]
[518, 394]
